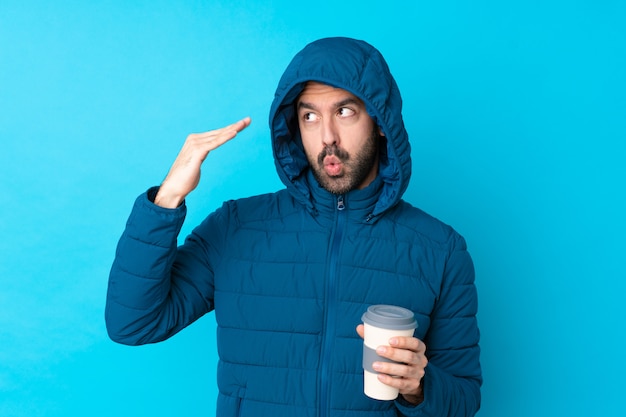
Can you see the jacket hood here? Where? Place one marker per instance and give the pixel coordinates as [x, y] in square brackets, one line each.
[359, 68]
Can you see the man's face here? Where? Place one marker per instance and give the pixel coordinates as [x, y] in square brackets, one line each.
[340, 139]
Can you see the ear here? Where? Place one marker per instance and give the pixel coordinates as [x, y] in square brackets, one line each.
[380, 131]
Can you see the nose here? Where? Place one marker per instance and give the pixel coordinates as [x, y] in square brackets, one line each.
[330, 135]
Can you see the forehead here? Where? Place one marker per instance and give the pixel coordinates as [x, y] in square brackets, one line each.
[315, 92]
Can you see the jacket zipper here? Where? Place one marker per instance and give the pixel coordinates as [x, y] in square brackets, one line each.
[331, 308]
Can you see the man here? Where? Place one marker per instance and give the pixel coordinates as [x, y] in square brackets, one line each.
[290, 273]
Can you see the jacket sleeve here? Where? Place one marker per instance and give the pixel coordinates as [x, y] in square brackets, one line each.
[453, 376]
[156, 288]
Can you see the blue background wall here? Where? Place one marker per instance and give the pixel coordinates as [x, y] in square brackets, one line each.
[516, 112]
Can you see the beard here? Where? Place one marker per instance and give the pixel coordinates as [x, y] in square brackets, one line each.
[356, 167]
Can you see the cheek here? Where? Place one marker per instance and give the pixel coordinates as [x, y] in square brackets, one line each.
[356, 139]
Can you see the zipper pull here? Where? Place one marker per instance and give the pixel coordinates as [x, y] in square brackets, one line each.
[340, 205]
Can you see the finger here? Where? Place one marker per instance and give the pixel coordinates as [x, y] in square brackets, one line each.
[399, 369]
[237, 127]
[245, 122]
[215, 138]
[412, 357]
[403, 356]
[360, 329]
[231, 129]
[404, 385]
[395, 369]
[410, 343]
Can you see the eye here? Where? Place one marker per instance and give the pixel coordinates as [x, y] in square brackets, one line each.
[309, 117]
[346, 112]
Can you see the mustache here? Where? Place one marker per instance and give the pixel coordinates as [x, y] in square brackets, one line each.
[334, 150]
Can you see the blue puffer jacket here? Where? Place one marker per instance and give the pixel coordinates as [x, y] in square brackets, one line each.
[289, 274]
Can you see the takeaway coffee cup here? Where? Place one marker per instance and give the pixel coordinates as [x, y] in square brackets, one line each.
[382, 322]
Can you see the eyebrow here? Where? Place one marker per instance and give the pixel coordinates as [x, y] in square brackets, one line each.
[342, 103]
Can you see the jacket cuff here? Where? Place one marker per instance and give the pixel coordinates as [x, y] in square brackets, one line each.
[152, 192]
[148, 197]
[154, 224]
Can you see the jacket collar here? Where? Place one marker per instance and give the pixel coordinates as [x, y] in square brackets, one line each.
[359, 204]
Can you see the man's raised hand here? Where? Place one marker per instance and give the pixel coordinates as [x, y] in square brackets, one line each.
[184, 175]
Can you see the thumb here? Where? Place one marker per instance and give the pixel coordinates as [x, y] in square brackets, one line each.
[360, 329]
